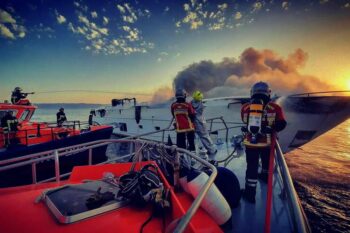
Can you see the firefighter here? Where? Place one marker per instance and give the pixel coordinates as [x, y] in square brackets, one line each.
[184, 114]
[19, 97]
[200, 124]
[9, 124]
[262, 117]
[61, 117]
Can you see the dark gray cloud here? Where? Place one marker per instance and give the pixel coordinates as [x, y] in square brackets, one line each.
[237, 76]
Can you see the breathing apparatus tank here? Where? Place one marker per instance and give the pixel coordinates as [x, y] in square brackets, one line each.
[255, 114]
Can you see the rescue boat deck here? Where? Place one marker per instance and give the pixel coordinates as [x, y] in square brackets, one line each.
[248, 217]
[21, 214]
[286, 216]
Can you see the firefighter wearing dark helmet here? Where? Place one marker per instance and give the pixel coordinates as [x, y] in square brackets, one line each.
[262, 117]
[17, 95]
[184, 114]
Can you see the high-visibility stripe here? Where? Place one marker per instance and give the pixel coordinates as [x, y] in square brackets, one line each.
[184, 130]
[259, 144]
[252, 180]
[256, 107]
[251, 185]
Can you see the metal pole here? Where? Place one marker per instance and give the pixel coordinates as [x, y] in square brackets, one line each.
[90, 156]
[34, 173]
[57, 166]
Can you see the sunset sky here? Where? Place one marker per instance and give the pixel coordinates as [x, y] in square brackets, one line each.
[137, 47]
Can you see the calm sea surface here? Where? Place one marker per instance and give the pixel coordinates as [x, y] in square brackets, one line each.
[321, 172]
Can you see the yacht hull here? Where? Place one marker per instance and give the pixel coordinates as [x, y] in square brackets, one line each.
[308, 117]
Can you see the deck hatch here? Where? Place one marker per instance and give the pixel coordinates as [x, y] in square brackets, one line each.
[68, 203]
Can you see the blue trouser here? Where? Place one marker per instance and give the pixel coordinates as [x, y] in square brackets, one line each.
[181, 140]
[252, 158]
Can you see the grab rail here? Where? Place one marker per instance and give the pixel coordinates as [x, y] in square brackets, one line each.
[154, 132]
[38, 157]
[320, 92]
[37, 132]
[299, 220]
[226, 127]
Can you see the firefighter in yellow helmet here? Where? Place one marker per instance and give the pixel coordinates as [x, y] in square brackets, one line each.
[200, 124]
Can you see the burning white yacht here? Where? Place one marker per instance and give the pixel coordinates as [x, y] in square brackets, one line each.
[309, 115]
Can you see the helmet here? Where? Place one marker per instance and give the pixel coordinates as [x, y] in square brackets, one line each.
[180, 93]
[61, 109]
[18, 89]
[260, 88]
[197, 96]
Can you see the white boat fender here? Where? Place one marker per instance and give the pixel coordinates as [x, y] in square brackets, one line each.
[214, 202]
[228, 184]
[183, 179]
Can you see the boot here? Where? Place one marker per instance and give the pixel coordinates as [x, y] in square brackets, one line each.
[248, 194]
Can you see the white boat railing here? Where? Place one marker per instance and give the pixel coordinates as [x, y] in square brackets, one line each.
[33, 159]
[311, 94]
[299, 219]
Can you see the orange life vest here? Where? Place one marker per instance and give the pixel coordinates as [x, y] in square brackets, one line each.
[181, 113]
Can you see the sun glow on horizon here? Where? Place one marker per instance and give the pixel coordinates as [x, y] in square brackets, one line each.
[347, 84]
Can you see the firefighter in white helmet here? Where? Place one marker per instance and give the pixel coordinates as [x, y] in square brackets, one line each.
[200, 124]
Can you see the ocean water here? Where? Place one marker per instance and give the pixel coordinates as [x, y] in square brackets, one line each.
[73, 112]
[320, 170]
[321, 174]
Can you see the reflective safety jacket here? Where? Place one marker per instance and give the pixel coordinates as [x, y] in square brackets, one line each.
[9, 123]
[273, 117]
[183, 113]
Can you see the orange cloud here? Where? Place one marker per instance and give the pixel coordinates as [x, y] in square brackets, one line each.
[235, 77]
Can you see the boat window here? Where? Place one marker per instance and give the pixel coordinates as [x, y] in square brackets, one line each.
[24, 115]
[157, 128]
[123, 127]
